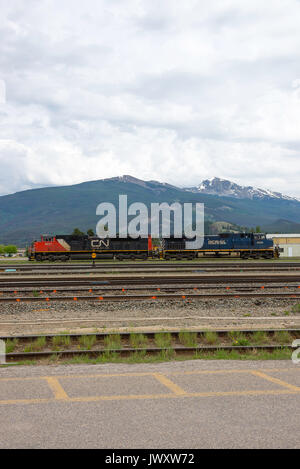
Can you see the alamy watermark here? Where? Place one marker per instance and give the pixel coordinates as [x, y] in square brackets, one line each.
[296, 353]
[2, 352]
[137, 221]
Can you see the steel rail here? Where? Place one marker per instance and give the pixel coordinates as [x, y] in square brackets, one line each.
[148, 280]
[148, 334]
[152, 264]
[151, 269]
[157, 287]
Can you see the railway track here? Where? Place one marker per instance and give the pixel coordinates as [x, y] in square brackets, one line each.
[162, 266]
[15, 282]
[154, 288]
[125, 344]
[152, 264]
[148, 297]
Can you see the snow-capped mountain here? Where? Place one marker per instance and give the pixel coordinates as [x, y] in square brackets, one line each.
[225, 188]
[23, 214]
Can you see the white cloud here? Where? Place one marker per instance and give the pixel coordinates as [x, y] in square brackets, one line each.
[177, 91]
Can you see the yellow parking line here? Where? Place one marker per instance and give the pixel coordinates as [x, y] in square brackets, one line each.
[137, 374]
[87, 399]
[105, 375]
[33, 378]
[215, 372]
[243, 393]
[174, 373]
[56, 387]
[169, 384]
[26, 401]
[280, 382]
[121, 397]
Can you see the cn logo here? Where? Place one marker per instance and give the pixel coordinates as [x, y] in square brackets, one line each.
[2, 352]
[296, 354]
[97, 243]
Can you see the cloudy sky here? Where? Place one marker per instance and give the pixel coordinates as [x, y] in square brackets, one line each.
[166, 90]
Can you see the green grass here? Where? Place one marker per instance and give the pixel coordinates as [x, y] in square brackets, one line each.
[171, 355]
[138, 340]
[106, 357]
[112, 342]
[35, 293]
[11, 345]
[188, 339]
[20, 363]
[87, 341]
[277, 354]
[61, 341]
[211, 337]
[163, 339]
[114, 357]
[36, 346]
[165, 356]
[137, 357]
[54, 359]
[259, 338]
[238, 338]
[296, 308]
[283, 337]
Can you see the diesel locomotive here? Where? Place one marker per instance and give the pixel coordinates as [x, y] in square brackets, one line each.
[71, 247]
[243, 245]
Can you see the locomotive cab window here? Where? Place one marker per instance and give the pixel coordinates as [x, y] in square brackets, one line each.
[47, 238]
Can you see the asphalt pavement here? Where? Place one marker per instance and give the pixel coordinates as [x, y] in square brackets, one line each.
[180, 405]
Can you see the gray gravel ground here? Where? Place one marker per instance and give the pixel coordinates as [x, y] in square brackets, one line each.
[223, 313]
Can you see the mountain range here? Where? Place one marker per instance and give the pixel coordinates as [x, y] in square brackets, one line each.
[224, 188]
[27, 214]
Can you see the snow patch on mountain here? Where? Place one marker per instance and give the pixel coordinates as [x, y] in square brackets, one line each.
[213, 186]
[225, 188]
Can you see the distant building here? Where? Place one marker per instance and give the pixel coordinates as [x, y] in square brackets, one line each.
[289, 244]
